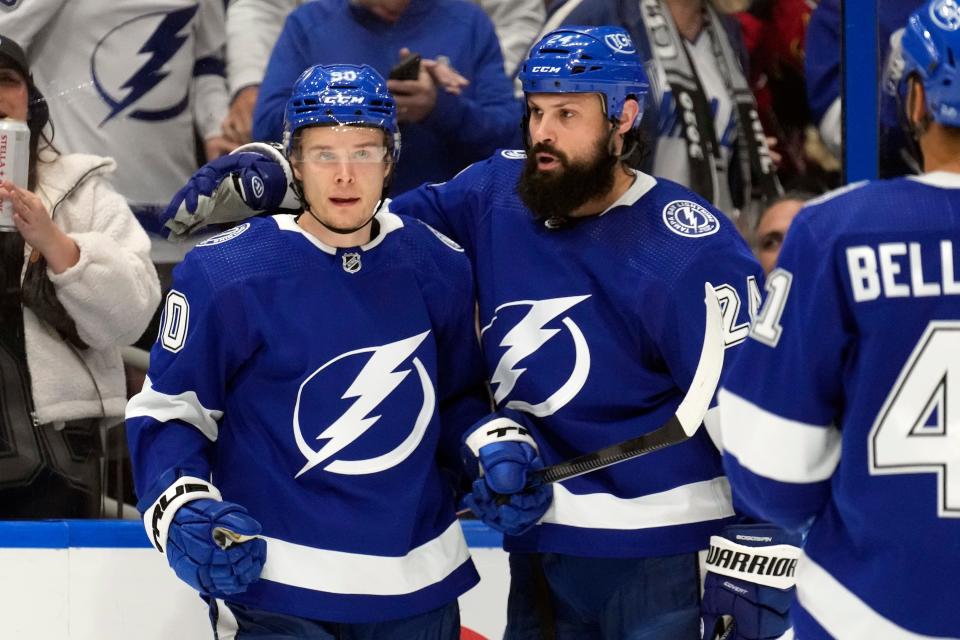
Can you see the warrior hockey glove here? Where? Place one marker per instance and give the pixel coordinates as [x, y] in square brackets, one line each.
[749, 583]
[211, 546]
[231, 188]
[503, 496]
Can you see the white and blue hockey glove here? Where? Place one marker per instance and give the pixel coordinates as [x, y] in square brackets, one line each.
[211, 545]
[234, 187]
[749, 583]
[503, 453]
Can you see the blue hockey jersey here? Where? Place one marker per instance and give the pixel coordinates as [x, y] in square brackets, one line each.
[837, 411]
[593, 332]
[323, 389]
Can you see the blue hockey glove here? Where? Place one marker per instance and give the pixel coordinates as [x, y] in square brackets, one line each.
[212, 546]
[226, 190]
[749, 583]
[501, 453]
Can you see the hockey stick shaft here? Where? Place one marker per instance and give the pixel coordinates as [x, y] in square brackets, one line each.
[680, 427]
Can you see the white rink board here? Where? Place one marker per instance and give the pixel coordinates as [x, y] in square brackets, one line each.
[116, 593]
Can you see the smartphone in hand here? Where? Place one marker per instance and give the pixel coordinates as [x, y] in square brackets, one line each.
[406, 69]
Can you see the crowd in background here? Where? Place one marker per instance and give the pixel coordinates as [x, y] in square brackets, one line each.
[162, 87]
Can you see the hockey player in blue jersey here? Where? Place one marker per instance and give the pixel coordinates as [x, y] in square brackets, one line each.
[840, 413]
[590, 280]
[311, 379]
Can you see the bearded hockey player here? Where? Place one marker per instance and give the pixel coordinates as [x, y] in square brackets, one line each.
[311, 376]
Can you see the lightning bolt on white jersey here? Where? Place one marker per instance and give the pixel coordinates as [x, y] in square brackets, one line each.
[129, 80]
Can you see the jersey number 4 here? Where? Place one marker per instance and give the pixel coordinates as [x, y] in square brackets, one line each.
[913, 432]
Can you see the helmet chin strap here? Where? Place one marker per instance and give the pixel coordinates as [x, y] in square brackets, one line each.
[302, 196]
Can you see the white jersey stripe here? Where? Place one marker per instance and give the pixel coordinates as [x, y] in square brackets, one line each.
[775, 447]
[355, 573]
[840, 611]
[686, 504]
[184, 406]
[226, 627]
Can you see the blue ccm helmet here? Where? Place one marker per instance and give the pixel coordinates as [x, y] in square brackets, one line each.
[600, 60]
[341, 94]
[931, 49]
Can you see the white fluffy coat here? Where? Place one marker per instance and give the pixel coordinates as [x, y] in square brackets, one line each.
[111, 293]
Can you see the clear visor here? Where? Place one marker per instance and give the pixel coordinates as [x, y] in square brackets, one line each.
[334, 155]
[343, 145]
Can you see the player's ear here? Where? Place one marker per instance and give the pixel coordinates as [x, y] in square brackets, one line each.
[295, 167]
[916, 101]
[631, 109]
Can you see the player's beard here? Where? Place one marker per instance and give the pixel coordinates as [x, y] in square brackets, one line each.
[555, 194]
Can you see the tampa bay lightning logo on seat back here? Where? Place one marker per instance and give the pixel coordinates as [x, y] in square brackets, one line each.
[382, 397]
[132, 71]
[531, 332]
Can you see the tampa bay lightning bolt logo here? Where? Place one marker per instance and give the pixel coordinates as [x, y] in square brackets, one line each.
[151, 91]
[526, 338]
[377, 380]
[620, 42]
[689, 219]
[946, 13]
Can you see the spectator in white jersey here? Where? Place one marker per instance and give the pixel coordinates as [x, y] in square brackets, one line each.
[131, 80]
[76, 283]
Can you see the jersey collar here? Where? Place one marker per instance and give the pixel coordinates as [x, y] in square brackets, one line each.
[942, 179]
[642, 183]
[389, 222]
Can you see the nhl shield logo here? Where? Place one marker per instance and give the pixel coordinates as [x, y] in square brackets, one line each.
[689, 219]
[351, 262]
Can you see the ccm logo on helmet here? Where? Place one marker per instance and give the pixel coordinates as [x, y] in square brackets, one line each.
[341, 99]
[545, 70]
[619, 42]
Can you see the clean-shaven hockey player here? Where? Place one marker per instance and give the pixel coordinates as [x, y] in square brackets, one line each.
[311, 379]
[840, 413]
[590, 282]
